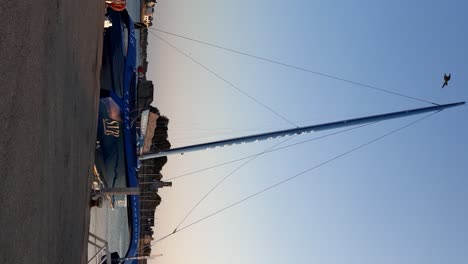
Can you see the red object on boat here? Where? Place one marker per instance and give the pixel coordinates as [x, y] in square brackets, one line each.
[118, 5]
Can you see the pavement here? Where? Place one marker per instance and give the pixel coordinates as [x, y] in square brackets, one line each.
[50, 55]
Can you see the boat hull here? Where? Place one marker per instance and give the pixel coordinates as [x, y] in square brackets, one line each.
[116, 151]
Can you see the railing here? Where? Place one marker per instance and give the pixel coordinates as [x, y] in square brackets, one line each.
[102, 254]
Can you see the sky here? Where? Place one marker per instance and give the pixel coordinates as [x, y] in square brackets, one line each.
[401, 199]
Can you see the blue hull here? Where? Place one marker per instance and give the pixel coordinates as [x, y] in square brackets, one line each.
[116, 157]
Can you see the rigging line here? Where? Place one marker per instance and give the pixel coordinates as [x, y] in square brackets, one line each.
[227, 176]
[297, 175]
[224, 80]
[284, 64]
[268, 151]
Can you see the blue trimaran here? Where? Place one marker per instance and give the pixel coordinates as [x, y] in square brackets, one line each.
[116, 156]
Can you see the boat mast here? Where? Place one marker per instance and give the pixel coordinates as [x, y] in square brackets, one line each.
[296, 131]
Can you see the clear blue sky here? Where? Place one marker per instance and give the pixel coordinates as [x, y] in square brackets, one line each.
[400, 200]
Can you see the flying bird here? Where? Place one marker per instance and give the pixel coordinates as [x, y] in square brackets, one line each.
[446, 79]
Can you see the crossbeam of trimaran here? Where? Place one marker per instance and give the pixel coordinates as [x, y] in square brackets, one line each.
[297, 131]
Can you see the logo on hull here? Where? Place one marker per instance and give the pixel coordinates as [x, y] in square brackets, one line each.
[111, 127]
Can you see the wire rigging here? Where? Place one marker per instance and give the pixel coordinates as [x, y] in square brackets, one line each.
[224, 80]
[284, 64]
[268, 151]
[296, 175]
[225, 177]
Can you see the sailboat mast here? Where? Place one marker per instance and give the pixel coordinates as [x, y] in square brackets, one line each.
[300, 130]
